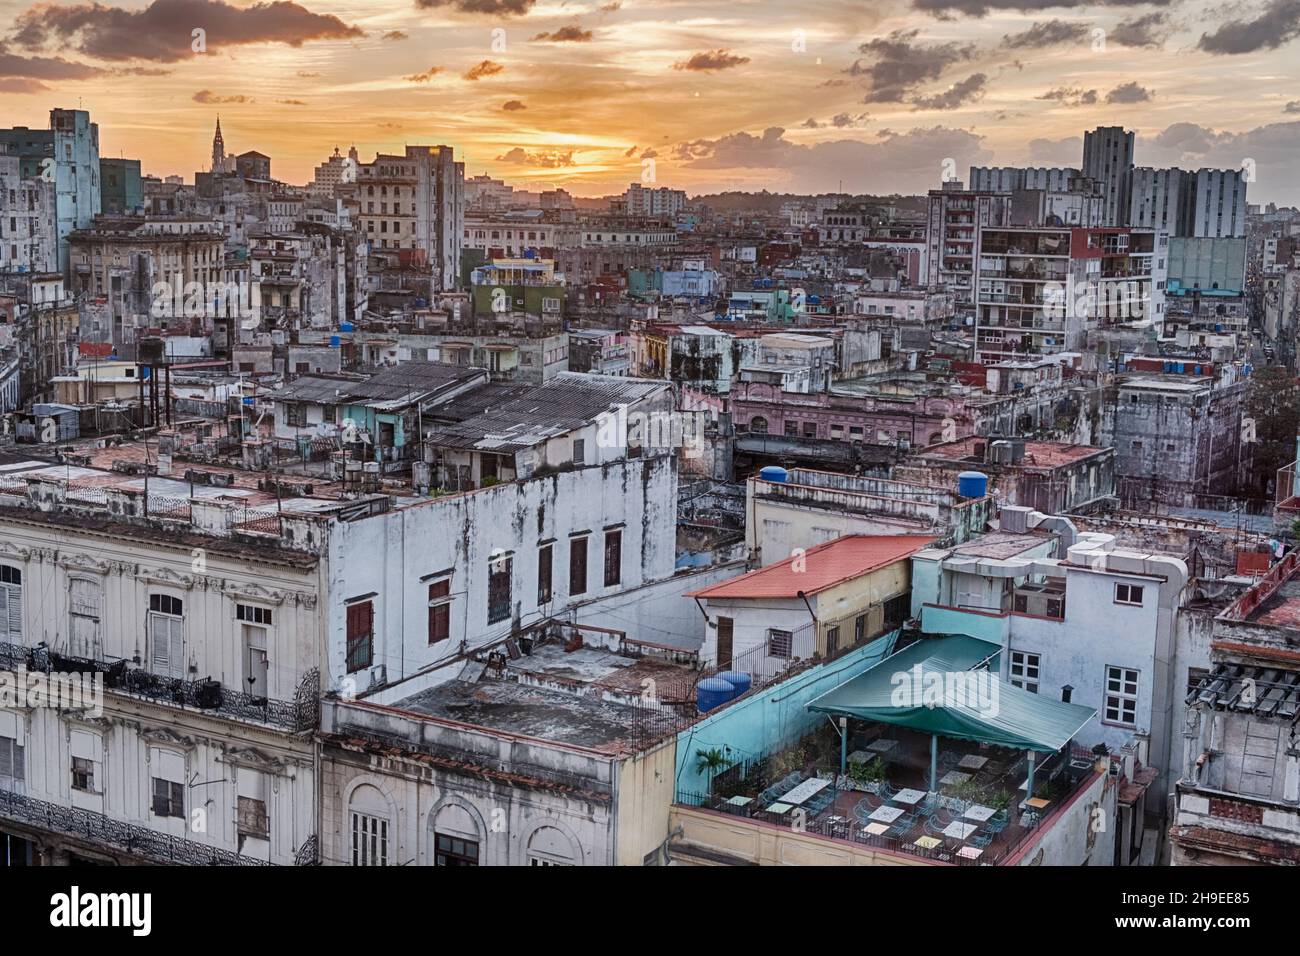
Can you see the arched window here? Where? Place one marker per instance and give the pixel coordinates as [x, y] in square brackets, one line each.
[758, 425]
[548, 846]
[369, 824]
[455, 837]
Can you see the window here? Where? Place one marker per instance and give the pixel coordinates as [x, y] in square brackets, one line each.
[12, 765]
[85, 598]
[1128, 594]
[361, 634]
[454, 851]
[11, 603]
[779, 644]
[1024, 671]
[295, 415]
[167, 635]
[500, 571]
[1194, 677]
[252, 819]
[168, 798]
[544, 558]
[369, 840]
[577, 566]
[832, 642]
[253, 615]
[758, 425]
[579, 451]
[791, 429]
[83, 774]
[859, 628]
[439, 611]
[1121, 696]
[613, 558]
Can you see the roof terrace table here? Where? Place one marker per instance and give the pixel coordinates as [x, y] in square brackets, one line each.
[978, 812]
[809, 788]
[958, 830]
[908, 797]
[886, 814]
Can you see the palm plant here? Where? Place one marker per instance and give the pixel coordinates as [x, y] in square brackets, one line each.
[710, 762]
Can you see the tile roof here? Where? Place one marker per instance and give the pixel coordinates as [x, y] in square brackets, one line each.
[819, 568]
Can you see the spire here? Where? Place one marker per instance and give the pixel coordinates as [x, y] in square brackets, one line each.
[218, 149]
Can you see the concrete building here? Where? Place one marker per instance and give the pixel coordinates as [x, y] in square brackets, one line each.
[1108, 161]
[416, 201]
[653, 202]
[1005, 179]
[121, 192]
[1238, 795]
[28, 228]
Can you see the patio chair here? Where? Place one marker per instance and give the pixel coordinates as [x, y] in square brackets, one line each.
[998, 822]
[862, 811]
[935, 826]
[902, 825]
[981, 841]
[887, 791]
[927, 806]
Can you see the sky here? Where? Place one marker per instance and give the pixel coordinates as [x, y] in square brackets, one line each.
[864, 96]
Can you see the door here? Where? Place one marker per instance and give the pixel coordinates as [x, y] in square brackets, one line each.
[725, 628]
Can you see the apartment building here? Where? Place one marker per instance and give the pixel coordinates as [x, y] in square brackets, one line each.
[1108, 161]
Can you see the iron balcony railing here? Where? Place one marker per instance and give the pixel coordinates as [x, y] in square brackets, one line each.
[129, 838]
[300, 714]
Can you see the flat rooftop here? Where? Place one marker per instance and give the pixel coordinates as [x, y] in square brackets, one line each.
[583, 697]
[1038, 454]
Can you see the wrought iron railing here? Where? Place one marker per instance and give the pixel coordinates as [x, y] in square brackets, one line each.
[300, 714]
[128, 838]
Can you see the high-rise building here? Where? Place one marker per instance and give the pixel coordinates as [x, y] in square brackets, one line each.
[1216, 203]
[1007, 178]
[1108, 159]
[27, 236]
[649, 201]
[416, 201]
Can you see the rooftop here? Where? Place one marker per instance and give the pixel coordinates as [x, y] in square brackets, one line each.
[820, 568]
[1037, 454]
[394, 387]
[588, 696]
[510, 418]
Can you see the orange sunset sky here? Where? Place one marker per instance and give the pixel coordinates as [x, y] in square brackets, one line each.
[739, 94]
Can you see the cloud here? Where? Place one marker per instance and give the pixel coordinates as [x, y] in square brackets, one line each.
[896, 65]
[21, 85]
[292, 102]
[1271, 148]
[161, 32]
[711, 60]
[1129, 92]
[1048, 33]
[486, 68]
[1056, 152]
[1276, 25]
[207, 96]
[424, 77]
[550, 159]
[44, 67]
[500, 8]
[569, 34]
[1292, 107]
[308, 74]
[511, 106]
[966, 91]
[902, 162]
[947, 9]
[631, 151]
[395, 35]
[1148, 30]
[649, 154]
[1070, 96]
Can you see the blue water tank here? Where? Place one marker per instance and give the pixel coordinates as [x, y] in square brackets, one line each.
[737, 679]
[345, 326]
[774, 473]
[335, 341]
[972, 484]
[713, 692]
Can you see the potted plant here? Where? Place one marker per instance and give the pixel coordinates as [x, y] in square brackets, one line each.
[710, 762]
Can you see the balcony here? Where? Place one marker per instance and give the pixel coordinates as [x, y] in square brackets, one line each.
[979, 816]
[208, 696]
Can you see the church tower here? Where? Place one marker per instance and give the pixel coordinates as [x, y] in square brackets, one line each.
[218, 150]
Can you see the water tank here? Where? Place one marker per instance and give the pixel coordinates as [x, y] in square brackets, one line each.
[345, 326]
[774, 473]
[737, 679]
[713, 692]
[335, 341]
[972, 484]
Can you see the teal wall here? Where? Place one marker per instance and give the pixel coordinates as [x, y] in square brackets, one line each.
[938, 620]
[773, 718]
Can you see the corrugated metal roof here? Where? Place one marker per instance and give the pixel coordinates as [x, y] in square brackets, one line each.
[508, 419]
[409, 381]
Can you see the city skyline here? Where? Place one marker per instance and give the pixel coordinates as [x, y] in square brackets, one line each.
[580, 95]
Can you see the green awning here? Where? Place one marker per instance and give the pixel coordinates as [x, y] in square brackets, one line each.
[932, 687]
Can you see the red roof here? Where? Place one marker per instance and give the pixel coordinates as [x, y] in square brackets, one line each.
[95, 349]
[819, 568]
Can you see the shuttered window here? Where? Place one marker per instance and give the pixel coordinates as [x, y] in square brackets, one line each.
[361, 634]
[11, 603]
[166, 635]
